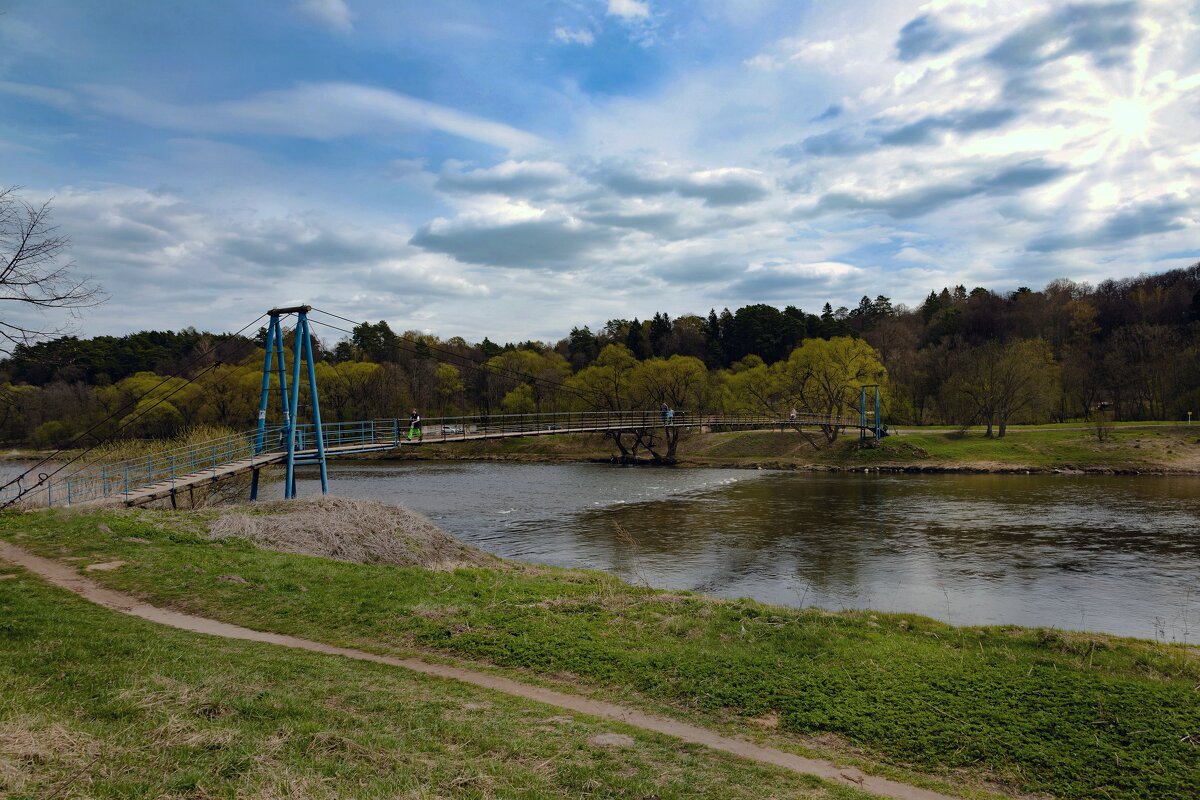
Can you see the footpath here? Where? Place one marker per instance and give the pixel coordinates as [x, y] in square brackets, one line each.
[65, 576]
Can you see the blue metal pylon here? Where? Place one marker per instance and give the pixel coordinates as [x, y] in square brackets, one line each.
[302, 350]
[874, 427]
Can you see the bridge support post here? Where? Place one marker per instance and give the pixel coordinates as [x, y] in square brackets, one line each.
[289, 400]
[316, 405]
[875, 428]
[862, 413]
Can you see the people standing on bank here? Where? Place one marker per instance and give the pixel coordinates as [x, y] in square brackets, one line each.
[414, 426]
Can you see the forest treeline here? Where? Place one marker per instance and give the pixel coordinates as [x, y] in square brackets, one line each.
[1128, 349]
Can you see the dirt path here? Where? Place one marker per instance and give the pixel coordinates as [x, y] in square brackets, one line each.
[66, 577]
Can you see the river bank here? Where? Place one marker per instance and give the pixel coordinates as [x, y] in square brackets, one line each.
[973, 710]
[94, 703]
[1135, 449]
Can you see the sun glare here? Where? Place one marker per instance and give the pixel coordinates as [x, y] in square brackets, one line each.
[1130, 120]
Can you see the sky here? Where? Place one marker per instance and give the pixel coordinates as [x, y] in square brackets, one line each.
[511, 170]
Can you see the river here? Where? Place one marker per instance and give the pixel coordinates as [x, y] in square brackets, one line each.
[1113, 554]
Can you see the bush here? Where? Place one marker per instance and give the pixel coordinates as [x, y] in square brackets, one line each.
[54, 433]
[1102, 424]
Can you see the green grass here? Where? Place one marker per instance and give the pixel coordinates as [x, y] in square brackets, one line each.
[1043, 447]
[1077, 716]
[95, 704]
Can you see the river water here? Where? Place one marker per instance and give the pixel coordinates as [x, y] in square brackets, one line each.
[1114, 554]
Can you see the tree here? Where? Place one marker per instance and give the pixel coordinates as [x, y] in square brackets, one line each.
[582, 347]
[449, 385]
[606, 384]
[541, 373]
[679, 381]
[1002, 382]
[754, 387]
[377, 342]
[824, 377]
[687, 337]
[764, 331]
[34, 269]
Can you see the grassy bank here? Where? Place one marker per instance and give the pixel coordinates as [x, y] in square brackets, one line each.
[95, 704]
[1075, 716]
[1129, 448]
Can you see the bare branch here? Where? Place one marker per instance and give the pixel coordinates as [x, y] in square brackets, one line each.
[35, 270]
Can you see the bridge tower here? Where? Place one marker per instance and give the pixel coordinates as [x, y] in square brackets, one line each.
[302, 350]
[874, 426]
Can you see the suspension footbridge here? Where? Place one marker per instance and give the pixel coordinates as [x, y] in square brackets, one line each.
[170, 473]
[292, 444]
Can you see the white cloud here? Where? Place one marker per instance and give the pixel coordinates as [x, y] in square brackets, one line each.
[312, 111]
[335, 14]
[45, 95]
[582, 36]
[181, 263]
[629, 10]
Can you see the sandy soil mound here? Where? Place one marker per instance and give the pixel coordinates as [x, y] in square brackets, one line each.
[360, 531]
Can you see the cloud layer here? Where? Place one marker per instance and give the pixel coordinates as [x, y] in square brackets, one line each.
[454, 170]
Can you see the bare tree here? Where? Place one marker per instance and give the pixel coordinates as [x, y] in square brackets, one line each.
[1002, 382]
[35, 270]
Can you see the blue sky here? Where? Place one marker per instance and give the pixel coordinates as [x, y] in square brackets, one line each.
[513, 169]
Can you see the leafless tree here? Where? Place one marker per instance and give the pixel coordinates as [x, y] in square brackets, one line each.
[35, 270]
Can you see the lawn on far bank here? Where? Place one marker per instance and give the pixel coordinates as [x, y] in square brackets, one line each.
[1125, 448]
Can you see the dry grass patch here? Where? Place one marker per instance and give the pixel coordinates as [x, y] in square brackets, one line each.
[31, 748]
[357, 531]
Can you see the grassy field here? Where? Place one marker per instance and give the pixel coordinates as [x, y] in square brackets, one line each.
[1072, 715]
[95, 704]
[1135, 448]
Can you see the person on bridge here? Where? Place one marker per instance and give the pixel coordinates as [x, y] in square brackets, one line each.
[792, 416]
[663, 409]
[414, 426]
[670, 416]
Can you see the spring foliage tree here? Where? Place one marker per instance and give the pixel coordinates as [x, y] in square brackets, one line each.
[822, 378]
[825, 377]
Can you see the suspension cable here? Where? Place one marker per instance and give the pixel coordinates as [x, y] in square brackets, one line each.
[467, 362]
[42, 478]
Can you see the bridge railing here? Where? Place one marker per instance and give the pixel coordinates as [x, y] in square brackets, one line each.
[395, 431]
[381, 433]
[97, 481]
